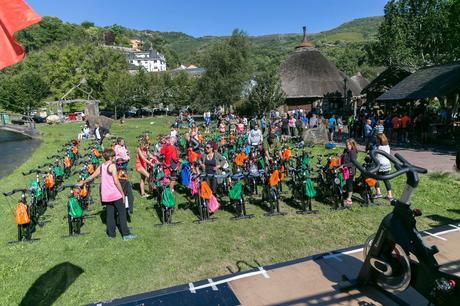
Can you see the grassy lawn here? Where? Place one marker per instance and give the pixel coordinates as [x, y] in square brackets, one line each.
[167, 256]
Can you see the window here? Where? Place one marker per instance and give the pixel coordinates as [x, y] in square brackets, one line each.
[138, 61]
[155, 61]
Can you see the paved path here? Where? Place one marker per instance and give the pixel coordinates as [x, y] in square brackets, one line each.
[305, 281]
[431, 159]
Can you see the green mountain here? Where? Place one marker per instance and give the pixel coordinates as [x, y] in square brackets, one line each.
[344, 45]
[355, 31]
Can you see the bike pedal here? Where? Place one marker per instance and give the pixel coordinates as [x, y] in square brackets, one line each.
[434, 249]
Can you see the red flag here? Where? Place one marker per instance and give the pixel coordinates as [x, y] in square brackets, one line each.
[15, 15]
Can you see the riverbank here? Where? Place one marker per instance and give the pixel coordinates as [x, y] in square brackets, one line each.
[96, 268]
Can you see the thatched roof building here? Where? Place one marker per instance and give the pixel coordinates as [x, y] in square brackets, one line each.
[307, 78]
[384, 81]
[360, 81]
[429, 82]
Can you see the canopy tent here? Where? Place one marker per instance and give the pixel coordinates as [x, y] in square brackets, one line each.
[429, 82]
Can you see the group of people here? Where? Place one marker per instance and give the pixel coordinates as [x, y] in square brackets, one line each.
[166, 152]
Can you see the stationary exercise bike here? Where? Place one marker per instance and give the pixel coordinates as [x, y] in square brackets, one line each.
[389, 263]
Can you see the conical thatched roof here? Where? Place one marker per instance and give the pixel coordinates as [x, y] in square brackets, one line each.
[360, 81]
[308, 74]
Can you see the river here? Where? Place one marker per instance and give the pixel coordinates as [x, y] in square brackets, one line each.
[14, 153]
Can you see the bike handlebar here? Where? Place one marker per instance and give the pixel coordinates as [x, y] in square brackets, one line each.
[402, 166]
[7, 194]
[69, 186]
[37, 171]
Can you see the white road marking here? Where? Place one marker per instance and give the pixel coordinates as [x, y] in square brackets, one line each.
[213, 286]
[435, 236]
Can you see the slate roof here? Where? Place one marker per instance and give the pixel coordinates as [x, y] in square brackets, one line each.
[152, 54]
[429, 82]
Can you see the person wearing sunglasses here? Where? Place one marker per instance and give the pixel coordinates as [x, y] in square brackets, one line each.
[211, 162]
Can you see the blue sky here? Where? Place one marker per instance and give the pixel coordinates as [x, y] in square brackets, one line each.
[212, 17]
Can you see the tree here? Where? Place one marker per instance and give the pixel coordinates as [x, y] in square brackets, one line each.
[119, 90]
[67, 66]
[23, 92]
[414, 33]
[267, 94]
[227, 69]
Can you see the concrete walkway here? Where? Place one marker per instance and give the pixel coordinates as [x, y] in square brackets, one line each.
[431, 158]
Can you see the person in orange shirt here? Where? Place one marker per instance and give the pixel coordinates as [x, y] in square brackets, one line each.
[405, 127]
[396, 121]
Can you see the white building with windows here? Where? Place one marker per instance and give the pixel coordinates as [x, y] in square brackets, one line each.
[151, 60]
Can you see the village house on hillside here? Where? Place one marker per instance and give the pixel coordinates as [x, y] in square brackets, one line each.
[151, 60]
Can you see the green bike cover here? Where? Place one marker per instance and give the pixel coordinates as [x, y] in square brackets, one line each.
[306, 162]
[58, 171]
[167, 198]
[35, 190]
[310, 189]
[235, 192]
[342, 180]
[75, 210]
[95, 161]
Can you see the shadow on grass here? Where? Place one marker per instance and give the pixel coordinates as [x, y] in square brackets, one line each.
[52, 284]
[457, 211]
[441, 220]
[239, 265]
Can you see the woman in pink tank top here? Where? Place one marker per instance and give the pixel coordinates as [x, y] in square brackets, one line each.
[112, 195]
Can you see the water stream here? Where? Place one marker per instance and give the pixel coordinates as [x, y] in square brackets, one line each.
[14, 153]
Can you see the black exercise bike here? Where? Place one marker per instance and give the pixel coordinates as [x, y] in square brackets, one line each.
[396, 257]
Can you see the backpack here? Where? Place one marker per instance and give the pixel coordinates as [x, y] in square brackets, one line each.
[310, 191]
[66, 162]
[185, 175]
[192, 156]
[205, 191]
[193, 187]
[274, 178]
[83, 192]
[235, 192]
[96, 153]
[74, 208]
[370, 182]
[167, 198]
[240, 158]
[90, 168]
[22, 217]
[286, 155]
[49, 181]
[213, 205]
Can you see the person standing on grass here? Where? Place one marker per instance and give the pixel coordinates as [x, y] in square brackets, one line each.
[331, 123]
[112, 196]
[170, 161]
[350, 153]
[385, 166]
[142, 163]
[340, 128]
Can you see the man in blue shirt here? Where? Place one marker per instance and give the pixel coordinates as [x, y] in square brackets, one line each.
[368, 134]
[331, 124]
